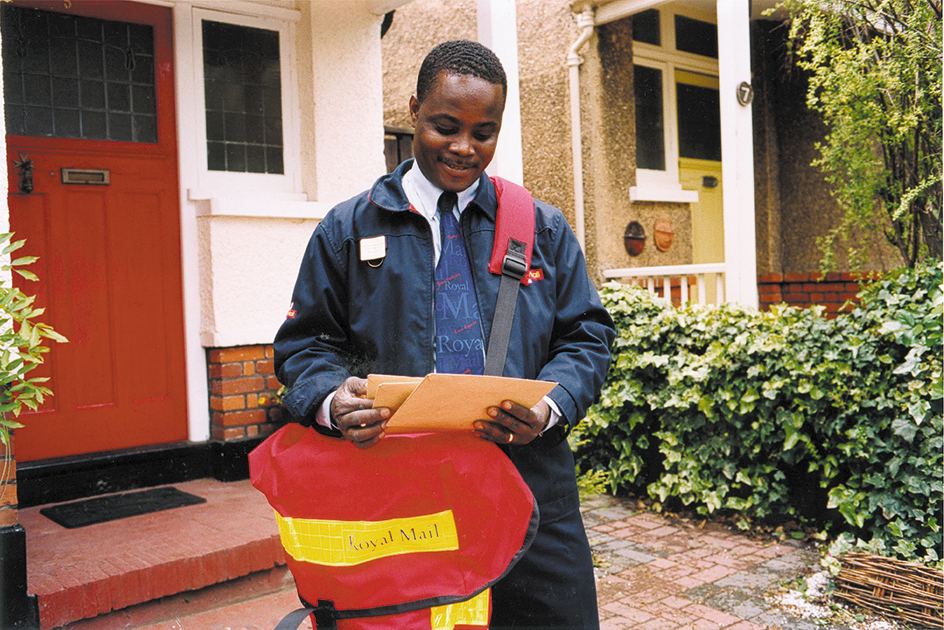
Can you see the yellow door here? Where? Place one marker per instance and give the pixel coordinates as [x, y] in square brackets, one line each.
[704, 176]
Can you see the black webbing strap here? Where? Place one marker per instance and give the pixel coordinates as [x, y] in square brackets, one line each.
[514, 267]
[324, 616]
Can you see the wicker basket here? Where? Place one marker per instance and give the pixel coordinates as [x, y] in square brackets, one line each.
[906, 591]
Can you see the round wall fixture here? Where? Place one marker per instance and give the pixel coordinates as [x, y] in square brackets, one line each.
[662, 235]
[634, 238]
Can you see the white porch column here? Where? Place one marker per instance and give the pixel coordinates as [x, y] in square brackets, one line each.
[737, 150]
[497, 26]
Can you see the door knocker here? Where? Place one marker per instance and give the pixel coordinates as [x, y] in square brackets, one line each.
[24, 167]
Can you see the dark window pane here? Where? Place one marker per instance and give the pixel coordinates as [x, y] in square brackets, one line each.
[93, 95]
[143, 70]
[234, 98]
[273, 128]
[274, 160]
[142, 39]
[60, 25]
[235, 128]
[116, 34]
[89, 29]
[119, 97]
[646, 28]
[255, 129]
[273, 103]
[214, 125]
[142, 100]
[56, 63]
[38, 121]
[254, 99]
[65, 93]
[116, 65]
[91, 65]
[216, 156]
[144, 128]
[236, 158]
[37, 89]
[34, 50]
[12, 93]
[699, 122]
[650, 128]
[15, 118]
[63, 57]
[696, 37]
[94, 125]
[119, 127]
[67, 123]
[243, 92]
[213, 91]
[255, 159]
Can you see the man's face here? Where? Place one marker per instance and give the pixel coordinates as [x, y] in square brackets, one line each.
[456, 129]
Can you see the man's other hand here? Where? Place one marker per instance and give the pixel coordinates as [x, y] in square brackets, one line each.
[354, 416]
[512, 423]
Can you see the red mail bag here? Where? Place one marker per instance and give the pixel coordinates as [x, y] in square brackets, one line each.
[410, 533]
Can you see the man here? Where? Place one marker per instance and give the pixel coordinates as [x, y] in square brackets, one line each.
[366, 301]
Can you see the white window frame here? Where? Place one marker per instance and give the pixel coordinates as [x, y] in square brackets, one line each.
[225, 183]
[659, 185]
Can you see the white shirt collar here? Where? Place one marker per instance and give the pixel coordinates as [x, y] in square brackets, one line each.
[424, 195]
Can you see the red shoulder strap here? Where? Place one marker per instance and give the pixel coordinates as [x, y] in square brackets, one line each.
[515, 221]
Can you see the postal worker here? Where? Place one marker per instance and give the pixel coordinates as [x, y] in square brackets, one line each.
[368, 300]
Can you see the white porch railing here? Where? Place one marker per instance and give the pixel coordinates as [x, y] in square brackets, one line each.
[693, 281]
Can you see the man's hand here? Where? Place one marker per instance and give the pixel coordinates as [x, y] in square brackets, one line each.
[513, 424]
[353, 415]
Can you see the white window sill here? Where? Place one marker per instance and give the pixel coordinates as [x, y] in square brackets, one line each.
[271, 206]
[663, 193]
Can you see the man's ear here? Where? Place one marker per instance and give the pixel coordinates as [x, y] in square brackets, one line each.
[414, 109]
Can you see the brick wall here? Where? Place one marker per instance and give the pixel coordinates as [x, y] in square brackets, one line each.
[243, 392]
[831, 290]
[8, 500]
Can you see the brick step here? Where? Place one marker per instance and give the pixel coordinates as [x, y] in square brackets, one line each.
[89, 571]
[258, 600]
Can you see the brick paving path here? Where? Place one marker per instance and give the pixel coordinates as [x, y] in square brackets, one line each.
[655, 573]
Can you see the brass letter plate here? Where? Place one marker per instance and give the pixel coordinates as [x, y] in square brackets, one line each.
[85, 176]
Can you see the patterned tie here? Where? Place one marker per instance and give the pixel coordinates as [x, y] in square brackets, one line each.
[459, 347]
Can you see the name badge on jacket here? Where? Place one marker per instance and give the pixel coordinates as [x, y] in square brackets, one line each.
[374, 249]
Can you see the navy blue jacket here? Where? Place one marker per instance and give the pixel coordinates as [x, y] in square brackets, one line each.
[351, 318]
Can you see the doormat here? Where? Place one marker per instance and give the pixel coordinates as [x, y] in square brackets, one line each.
[112, 508]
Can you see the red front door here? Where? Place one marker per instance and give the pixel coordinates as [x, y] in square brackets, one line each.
[103, 217]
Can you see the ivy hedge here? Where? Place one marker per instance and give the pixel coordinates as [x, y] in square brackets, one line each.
[782, 415]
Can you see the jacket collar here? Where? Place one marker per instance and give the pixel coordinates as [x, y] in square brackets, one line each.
[387, 193]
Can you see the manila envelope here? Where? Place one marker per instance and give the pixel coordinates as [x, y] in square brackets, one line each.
[448, 402]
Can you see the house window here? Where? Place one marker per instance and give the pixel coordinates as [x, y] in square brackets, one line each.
[246, 138]
[646, 28]
[676, 95]
[243, 97]
[68, 76]
[696, 37]
[650, 129]
[699, 116]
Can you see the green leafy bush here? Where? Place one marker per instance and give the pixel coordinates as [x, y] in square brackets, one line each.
[21, 343]
[782, 415]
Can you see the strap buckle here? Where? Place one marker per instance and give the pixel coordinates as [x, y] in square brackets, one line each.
[514, 263]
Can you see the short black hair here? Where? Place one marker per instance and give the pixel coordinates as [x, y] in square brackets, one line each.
[460, 57]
